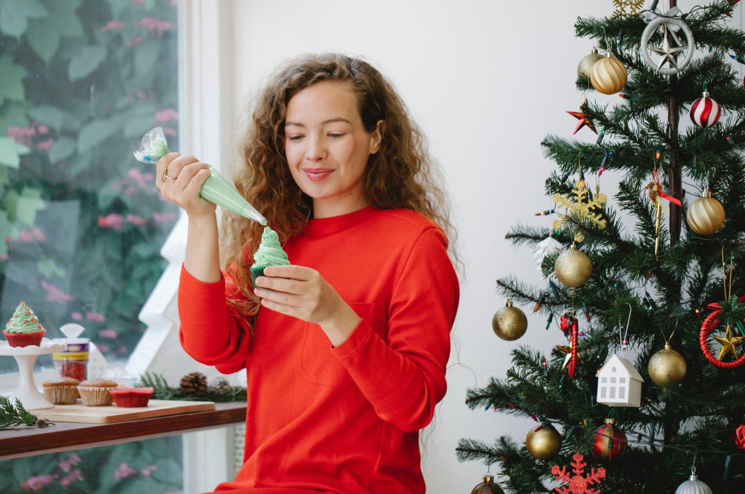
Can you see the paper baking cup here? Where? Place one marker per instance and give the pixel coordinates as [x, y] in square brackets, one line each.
[61, 395]
[95, 397]
[131, 397]
[24, 339]
[256, 272]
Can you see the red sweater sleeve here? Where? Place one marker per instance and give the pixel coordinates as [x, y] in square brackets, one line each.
[405, 378]
[211, 331]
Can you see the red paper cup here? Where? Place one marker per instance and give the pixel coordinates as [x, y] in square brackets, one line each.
[24, 339]
[131, 397]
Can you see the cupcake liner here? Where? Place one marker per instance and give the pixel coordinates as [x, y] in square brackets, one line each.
[256, 272]
[61, 395]
[131, 397]
[95, 396]
[24, 339]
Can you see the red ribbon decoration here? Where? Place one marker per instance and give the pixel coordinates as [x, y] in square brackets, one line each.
[573, 337]
[670, 198]
[566, 322]
[707, 327]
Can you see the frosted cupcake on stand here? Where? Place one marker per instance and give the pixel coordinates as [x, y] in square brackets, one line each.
[24, 328]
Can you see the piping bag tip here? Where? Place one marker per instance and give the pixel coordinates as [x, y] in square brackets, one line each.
[251, 213]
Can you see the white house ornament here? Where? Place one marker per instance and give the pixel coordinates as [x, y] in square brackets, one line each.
[619, 383]
[545, 247]
[693, 486]
[670, 48]
[705, 111]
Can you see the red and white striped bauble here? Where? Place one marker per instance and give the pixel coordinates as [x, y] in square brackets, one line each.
[705, 112]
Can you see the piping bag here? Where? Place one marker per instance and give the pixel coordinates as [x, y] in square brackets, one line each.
[215, 189]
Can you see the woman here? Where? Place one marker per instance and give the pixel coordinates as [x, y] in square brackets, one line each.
[346, 359]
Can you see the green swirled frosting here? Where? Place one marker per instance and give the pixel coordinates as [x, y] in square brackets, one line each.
[23, 321]
[270, 252]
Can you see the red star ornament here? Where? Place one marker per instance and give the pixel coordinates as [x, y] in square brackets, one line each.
[740, 437]
[578, 483]
[582, 117]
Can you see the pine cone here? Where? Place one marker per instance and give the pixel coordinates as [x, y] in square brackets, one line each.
[221, 387]
[194, 384]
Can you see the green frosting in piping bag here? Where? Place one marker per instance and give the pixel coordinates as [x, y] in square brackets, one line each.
[270, 252]
[23, 321]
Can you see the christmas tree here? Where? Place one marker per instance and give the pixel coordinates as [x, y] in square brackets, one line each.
[620, 294]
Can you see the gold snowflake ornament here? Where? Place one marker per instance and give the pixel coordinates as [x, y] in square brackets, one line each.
[626, 8]
[580, 208]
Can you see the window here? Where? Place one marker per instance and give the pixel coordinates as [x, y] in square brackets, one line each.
[622, 380]
[152, 466]
[612, 392]
[81, 222]
[622, 393]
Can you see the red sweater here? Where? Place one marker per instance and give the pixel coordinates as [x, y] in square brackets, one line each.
[340, 419]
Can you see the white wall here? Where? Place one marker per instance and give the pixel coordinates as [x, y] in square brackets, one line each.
[487, 80]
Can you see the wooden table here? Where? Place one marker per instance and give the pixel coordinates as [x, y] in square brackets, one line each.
[29, 441]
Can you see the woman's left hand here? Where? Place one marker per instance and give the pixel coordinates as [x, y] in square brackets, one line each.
[302, 293]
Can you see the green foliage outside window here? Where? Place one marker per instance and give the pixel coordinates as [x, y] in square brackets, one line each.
[81, 222]
[144, 467]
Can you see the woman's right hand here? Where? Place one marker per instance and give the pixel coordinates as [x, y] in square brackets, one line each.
[185, 176]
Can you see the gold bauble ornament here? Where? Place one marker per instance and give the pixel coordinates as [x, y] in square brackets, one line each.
[487, 486]
[667, 367]
[705, 215]
[584, 69]
[509, 323]
[573, 268]
[608, 75]
[543, 443]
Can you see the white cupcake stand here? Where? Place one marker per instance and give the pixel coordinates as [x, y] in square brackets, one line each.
[27, 392]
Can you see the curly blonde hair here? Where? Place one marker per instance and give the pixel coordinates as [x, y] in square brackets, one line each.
[401, 175]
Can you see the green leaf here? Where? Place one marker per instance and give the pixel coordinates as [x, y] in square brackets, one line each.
[117, 6]
[146, 54]
[11, 152]
[11, 79]
[55, 117]
[96, 132]
[49, 268]
[28, 205]
[14, 15]
[44, 34]
[13, 115]
[80, 162]
[137, 126]
[4, 180]
[85, 62]
[168, 470]
[6, 227]
[61, 149]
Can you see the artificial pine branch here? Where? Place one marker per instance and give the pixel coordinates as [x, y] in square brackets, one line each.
[12, 416]
[697, 417]
[163, 391]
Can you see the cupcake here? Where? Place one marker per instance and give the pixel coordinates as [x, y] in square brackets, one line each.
[61, 390]
[23, 329]
[131, 397]
[270, 253]
[95, 393]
